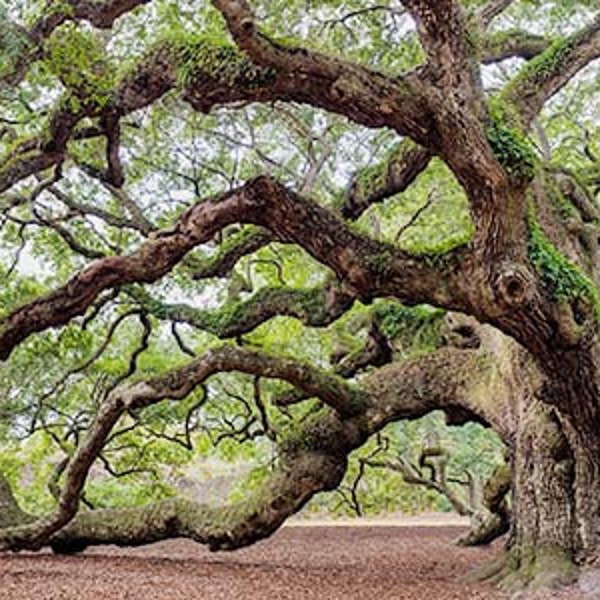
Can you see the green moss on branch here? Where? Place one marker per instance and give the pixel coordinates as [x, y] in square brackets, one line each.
[540, 68]
[199, 56]
[561, 278]
[78, 59]
[514, 150]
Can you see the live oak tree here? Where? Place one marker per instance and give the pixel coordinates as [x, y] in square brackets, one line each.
[184, 174]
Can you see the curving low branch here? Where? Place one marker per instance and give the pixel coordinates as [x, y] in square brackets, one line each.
[222, 528]
[313, 456]
[489, 516]
[344, 399]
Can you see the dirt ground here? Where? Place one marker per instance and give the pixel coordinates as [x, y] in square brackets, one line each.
[298, 563]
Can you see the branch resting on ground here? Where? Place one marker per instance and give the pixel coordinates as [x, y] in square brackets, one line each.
[312, 457]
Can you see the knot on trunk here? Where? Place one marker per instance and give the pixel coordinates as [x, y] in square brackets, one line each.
[514, 285]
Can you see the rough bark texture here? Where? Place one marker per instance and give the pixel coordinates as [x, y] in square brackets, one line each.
[527, 275]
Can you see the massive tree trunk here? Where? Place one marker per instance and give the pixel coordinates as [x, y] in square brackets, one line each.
[543, 544]
[555, 495]
[538, 390]
[555, 501]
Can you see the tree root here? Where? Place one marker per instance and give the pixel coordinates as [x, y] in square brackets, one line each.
[484, 530]
[546, 568]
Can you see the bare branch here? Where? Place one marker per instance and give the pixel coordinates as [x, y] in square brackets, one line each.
[410, 474]
[431, 198]
[109, 218]
[110, 332]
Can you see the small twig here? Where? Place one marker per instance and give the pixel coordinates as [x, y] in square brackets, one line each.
[430, 200]
[180, 343]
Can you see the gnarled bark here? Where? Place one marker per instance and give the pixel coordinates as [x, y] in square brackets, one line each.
[542, 397]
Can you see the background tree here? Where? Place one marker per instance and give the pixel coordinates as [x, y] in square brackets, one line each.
[183, 175]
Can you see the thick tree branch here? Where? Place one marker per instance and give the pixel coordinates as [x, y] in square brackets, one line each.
[499, 46]
[380, 181]
[313, 457]
[456, 98]
[367, 267]
[103, 14]
[468, 385]
[346, 400]
[495, 520]
[219, 75]
[221, 528]
[317, 307]
[442, 27]
[375, 353]
[551, 70]
[353, 89]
